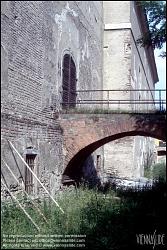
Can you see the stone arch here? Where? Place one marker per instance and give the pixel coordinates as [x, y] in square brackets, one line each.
[73, 169]
[84, 133]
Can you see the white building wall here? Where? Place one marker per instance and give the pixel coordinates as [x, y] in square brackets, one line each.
[141, 77]
[116, 57]
[126, 66]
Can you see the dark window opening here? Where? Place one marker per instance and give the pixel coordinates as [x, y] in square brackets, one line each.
[28, 175]
[161, 152]
[69, 82]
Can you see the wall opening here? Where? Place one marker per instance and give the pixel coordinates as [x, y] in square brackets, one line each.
[161, 152]
[69, 83]
[75, 164]
[29, 183]
[98, 163]
[162, 144]
[30, 158]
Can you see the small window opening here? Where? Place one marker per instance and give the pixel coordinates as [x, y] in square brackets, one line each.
[161, 152]
[162, 144]
[98, 162]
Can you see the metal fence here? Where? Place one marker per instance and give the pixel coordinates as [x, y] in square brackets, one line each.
[116, 99]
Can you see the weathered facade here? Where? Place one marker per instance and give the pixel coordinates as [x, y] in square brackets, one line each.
[50, 49]
[35, 37]
[89, 132]
[127, 67]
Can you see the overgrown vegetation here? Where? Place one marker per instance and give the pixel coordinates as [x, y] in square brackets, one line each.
[157, 171]
[109, 220]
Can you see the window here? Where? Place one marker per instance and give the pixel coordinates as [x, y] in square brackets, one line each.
[29, 183]
[69, 82]
[161, 152]
[98, 163]
[162, 144]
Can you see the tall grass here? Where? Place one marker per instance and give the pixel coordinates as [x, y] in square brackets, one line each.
[108, 221]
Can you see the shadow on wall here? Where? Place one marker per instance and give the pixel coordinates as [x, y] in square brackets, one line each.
[89, 173]
[86, 174]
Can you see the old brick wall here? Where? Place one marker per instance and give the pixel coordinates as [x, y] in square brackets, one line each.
[84, 133]
[34, 38]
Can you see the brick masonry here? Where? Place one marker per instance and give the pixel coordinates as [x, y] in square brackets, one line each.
[35, 36]
[85, 133]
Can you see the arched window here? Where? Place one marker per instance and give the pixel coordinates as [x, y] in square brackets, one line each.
[69, 82]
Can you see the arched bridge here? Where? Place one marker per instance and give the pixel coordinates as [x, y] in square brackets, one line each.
[84, 133]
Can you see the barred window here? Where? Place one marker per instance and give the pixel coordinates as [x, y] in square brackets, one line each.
[69, 82]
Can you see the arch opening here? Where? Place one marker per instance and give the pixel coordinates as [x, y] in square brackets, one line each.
[73, 170]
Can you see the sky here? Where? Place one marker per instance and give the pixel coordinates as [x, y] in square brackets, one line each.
[161, 68]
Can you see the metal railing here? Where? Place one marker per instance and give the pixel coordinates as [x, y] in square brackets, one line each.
[116, 99]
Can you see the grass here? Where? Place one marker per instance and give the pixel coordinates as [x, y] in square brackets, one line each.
[107, 221]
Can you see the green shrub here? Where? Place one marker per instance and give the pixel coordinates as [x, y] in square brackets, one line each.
[159, 171]
[156, 172]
